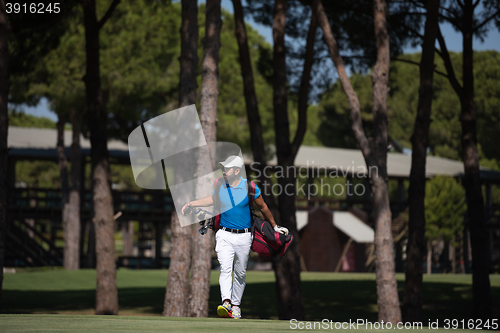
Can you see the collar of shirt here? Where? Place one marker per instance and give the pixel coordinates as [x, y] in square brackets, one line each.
[241, 185]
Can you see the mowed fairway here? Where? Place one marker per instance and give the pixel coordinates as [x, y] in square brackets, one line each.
[75, 323]
[88, 324]
[59, 300]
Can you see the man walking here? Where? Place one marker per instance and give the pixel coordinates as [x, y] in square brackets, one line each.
[233, 239]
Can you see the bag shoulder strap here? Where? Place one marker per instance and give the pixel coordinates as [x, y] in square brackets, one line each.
[251, 194]
[251, 198]
[217, 185]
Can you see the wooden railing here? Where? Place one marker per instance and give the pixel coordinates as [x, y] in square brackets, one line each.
[46, 203]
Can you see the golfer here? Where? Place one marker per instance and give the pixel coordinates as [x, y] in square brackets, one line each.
[233, 239]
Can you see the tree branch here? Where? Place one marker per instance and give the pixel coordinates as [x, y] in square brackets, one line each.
[451, 20]
[417, 4]
[108, 14]
[438, 51]
[415, 32]
[304, 88]
[418, 64]
[448, 65]
[409, 13]
[354, 106]
[447, 10]
[486, 21]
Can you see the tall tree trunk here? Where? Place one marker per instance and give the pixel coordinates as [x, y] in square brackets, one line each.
[177, 293]
[253, 116]
[374, 152]
[203, 245]
[475, 204]
[288, 291]
[287, 270]
[254, 123]
[90, 256]
[128, 238]
[387, 289]
[4, 126]
[62, 162]
[106, 290]
[472, 181]
[72, 228]
[413, 299]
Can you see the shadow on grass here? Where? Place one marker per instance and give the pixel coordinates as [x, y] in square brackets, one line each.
[333, 300]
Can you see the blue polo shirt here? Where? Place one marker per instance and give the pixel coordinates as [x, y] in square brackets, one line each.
[236, 216]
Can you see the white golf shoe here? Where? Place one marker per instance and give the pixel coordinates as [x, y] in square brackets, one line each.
[236, 312]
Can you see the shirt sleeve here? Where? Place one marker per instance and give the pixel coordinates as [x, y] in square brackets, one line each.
[257, 192]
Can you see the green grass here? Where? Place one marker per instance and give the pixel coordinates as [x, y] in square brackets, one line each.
[72, 323]
[88, 324]
[338, 297]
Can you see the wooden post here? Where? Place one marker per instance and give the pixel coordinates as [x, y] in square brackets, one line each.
[489, 212]
[310, 181]
[401, 190]
[466, 247]
[83, 222]
[429, 257]
[401, 195]
[158, 244]
[368, 195]
[11, 181]
[128, 238]
[349, 185]
[346, 248]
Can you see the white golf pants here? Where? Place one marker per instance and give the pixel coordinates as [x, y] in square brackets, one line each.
[232, 253]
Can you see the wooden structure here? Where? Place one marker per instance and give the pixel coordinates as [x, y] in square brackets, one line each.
[36, 244]
[334, 241]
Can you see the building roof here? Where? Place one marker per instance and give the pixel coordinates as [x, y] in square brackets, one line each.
[346, 222]
[353, 227]
[46, 138]
[301, 217]
[39, 142]
[350, 162]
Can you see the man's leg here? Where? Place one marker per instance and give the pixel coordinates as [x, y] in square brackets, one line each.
[242, 249]
[225, 256]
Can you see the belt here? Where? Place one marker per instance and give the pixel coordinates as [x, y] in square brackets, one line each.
[236, 231]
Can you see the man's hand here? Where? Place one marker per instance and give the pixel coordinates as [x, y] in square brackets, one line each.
[185, 207]
[281, 230]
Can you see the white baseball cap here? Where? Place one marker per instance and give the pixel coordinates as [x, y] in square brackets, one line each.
[233, 161]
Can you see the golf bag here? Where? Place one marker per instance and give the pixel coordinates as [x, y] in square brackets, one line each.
[266, 242]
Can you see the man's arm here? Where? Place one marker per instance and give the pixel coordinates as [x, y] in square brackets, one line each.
[265, 210]
[269, 217]
[203, 202]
